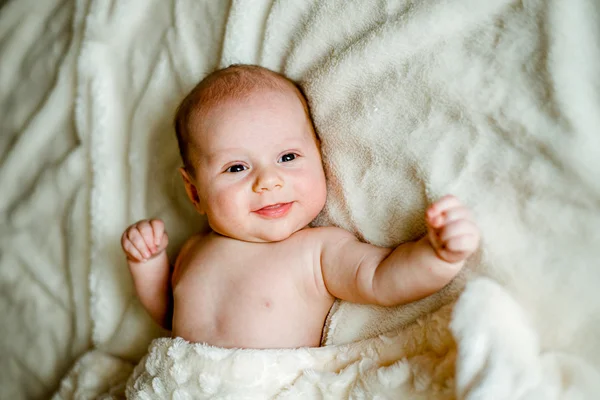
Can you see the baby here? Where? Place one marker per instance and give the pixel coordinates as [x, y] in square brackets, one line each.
[262, 278]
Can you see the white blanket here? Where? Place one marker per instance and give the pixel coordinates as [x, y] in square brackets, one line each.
[44, 192]
[499, 358]
[383, 366]
[495, 101]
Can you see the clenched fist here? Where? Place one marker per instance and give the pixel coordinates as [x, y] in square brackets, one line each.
[451, 229]
[144, 240]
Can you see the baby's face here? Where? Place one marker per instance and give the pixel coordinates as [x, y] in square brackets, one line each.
[259, 174]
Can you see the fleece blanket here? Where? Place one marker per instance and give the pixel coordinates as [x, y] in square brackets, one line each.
[496, 102]
[175, 368]
[499, 358]
[44, 187]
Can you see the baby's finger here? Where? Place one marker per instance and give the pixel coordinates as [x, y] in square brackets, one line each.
[131, 251]
[135, 237]
[158, 227]
[147, 233]
[432, 235]
[446, 202]
[457, 228]
[164, 242]
[435, 221]
[452, 256]
[462, 244]
[457, 213]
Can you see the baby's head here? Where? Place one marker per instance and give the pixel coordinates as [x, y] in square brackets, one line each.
[250, 153]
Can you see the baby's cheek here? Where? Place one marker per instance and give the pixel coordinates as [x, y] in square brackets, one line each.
[314, 190]
[224, 201]
[226, 214]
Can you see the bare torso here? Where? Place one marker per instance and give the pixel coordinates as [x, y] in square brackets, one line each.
[230, 293]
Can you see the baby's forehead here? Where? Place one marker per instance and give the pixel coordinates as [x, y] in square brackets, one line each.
[217, 106]
[221, 102]
[223, 91]
[238, 126]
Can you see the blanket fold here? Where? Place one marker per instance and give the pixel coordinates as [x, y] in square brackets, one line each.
[175, 368]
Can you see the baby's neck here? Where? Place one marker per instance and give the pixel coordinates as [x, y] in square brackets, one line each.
[253, 240]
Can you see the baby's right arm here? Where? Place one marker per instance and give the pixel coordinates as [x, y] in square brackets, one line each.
[145, 244]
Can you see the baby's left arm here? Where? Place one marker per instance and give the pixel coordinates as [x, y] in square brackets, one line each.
[363, 273]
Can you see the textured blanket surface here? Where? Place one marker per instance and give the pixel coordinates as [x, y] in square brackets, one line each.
[380, 366]
[44, 187]
[494, 101]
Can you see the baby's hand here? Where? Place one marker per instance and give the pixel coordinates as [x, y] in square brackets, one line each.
[144, 240]
[451, 229]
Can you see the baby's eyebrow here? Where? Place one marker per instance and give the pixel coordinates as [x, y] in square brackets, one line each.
[236, 152]
[217, 156]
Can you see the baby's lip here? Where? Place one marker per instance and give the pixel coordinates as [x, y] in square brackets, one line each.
[276, 210]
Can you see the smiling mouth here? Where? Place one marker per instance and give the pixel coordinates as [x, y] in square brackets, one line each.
[274, 210]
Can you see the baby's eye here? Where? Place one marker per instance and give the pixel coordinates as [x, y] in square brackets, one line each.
[287, 157]
[236, 168]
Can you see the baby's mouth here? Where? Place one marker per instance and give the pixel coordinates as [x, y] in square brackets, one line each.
[274, 210]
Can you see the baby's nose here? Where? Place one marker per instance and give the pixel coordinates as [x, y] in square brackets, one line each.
[267, 180]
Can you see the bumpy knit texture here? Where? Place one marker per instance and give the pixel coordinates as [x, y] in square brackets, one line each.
[412, 362]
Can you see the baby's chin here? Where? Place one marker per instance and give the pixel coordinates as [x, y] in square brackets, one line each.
[267, 237]
[262, 237]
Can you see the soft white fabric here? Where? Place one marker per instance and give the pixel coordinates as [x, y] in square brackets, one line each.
[44, 189]
[388, 366]
[96, 375]
[495, 101]
[414, 362]
[499, 356]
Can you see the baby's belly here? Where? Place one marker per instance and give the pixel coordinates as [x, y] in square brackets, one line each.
[251, 321]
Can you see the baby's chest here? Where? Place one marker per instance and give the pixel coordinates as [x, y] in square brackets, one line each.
[262, 277]
[274, 276]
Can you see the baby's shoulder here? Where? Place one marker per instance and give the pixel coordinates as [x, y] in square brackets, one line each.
[195, 246]
[192, 244]
[198, 248]
[202, 243]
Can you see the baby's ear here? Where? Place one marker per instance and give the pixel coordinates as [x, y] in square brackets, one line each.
[191, 190]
